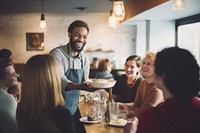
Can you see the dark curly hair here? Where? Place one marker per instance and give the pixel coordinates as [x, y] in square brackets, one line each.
[3, 64]
[179, 70]
[77, 23]
[5, 53]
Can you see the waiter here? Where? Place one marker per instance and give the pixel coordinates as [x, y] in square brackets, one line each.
[74, 65]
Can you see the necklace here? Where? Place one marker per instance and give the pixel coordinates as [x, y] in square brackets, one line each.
[132, 83]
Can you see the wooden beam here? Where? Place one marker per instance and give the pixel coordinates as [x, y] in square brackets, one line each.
[135, 7]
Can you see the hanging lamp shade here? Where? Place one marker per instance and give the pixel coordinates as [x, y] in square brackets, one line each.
[118, 10]
[178, 5]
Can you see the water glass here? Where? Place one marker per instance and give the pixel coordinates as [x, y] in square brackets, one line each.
[102, 108]
[113, 110]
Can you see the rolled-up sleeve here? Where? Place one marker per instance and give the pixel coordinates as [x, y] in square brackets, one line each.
[86, 67]
[63, 66]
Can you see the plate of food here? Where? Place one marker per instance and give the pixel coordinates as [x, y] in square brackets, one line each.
[118, 123]
[102, 83]
[86, 120]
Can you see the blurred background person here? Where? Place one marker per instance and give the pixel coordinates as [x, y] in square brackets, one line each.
[8, 104]
[148, 95]
[41, 108]
[104, 69]
[127, 84]
[177, 75]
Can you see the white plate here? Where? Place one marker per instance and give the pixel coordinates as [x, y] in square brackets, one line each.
[85, 120]
[113, 123]
[106, 83]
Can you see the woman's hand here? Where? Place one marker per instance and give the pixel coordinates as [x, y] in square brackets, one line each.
[131, 126]
[123, 108]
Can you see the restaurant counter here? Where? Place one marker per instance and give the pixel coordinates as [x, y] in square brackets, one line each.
[101, 127]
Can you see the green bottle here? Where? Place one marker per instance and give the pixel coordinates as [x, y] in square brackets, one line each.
[110, 100]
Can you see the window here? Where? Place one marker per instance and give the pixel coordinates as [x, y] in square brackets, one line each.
[188, 35]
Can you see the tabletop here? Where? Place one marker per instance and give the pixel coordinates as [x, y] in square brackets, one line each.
[101, 127]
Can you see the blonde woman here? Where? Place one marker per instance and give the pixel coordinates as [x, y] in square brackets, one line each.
[148, 95]
[41, 107]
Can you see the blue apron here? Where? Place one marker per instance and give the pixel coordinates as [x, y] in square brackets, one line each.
[72, 97]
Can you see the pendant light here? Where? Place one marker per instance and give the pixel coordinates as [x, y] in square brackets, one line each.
[178, 5]
[112, 21]
[118, 10]
[42, 19]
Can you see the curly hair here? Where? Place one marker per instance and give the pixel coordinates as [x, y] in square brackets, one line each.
[77, 23]
[3, 64]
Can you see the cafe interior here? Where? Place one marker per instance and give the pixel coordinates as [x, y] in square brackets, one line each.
[145, 25]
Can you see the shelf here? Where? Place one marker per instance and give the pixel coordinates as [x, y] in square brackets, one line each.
[100, 50]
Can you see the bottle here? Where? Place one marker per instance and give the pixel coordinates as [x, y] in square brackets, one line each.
[110, 100]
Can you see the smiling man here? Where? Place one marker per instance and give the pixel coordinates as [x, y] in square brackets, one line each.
[8, 104]
[74, 65]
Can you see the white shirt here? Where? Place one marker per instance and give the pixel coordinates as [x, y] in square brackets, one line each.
[8, 106]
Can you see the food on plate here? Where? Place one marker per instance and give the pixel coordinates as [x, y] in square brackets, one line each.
[121, 121]
[100, 81]
[92, 116]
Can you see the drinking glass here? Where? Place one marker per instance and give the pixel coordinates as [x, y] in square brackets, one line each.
[114, 110]
[102, 108]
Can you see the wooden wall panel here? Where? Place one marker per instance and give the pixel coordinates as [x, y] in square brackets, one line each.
[135, 7]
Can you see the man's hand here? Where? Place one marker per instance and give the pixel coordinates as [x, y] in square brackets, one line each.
[87, 87]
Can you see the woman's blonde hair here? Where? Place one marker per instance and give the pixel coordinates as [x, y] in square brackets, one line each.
[41, 89]
[151, 55]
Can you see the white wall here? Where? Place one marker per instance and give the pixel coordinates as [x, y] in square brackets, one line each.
[154, 35]
[13, 29]
[162, 34]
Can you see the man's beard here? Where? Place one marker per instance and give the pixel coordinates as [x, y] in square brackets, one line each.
[73, 45]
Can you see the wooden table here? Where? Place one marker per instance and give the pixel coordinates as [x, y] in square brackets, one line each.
[101, 127]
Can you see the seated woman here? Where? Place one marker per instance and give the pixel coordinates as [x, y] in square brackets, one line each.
[148, 95]
[104, 69]
[177, 75]
[127, 84]
[41, 109]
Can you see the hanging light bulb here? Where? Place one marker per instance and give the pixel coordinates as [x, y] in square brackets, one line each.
[42, 22]
[118, 10]
[42, 19]
[112, 21]
[178, 5]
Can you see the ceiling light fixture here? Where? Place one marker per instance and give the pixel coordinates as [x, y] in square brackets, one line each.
[81, 8]
[178, 5]
[118, 10]
[42, 19]
[112, 22]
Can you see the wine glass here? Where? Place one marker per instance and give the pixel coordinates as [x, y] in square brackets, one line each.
[102, 108]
